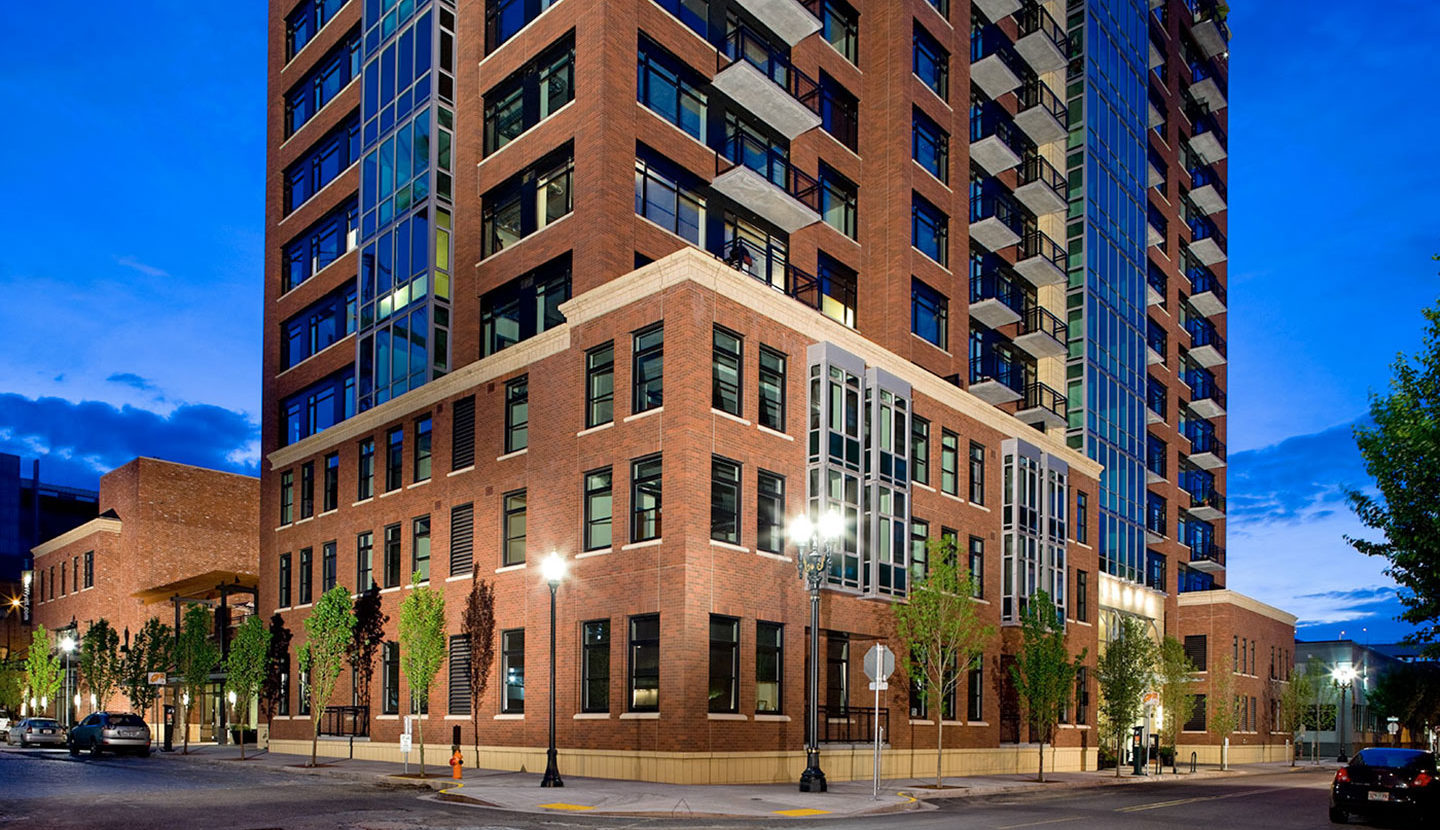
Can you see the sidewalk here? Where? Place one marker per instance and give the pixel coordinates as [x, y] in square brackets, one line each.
[522, 791]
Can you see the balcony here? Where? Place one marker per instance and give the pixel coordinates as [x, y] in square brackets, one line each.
[1207, 140]
[1209, 29]
[1042, 115]
[1156, 398]
[832, 297]
[1207, 556]
[1041, 260]
[1156, 226]
[1156, 343]
[1156, 526]
[1207, 347]
[1207, 295]
[994, 66]
[1155, 168]
[995, 142]
[1206, 451]
[996, 9]
[759, 78]
[763, 180]
[1206, 399]
[995, 221]
[1042, 334]
[1042, 42]
[792, 20]
[1043, 407]
[995, 299]
[996, 381]
[1157, 54]
[1156, 285]
[1207, 87]
[1207, 191]
[1155, 469]
[1207, 243]
[1041, 187]
[1158, 113]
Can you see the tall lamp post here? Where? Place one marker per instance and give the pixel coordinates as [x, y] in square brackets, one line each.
[553, 569]
[67, 645]
[1344, 677]
[814, 542]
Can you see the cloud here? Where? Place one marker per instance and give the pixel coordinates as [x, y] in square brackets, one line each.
[132, 380]
[136, 265]
[77, 441]
[1285, 480]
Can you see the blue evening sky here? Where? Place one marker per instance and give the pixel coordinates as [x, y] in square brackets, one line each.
[133, 311]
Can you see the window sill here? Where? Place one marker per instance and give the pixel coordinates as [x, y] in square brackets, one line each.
[924, 487]
[492, 154]
[597, 552]
[939, 349]
[972, 723]
[410, 586]
[316, 116]
[390, 590]
[332, 511]
[514, 454]
[535, 234]
[952, 496]
[768, 431]
[716, 543]
[594, 429]
[457, 717]
[459, 577]
[648, 543]
[647, 413]
[932, 176]
[1086, 624]
[389, 493]
[511, 39]
[764, 718]
[418, 484]
[778, 557]
[304, 520]
[296, 209]
[978, 506]
[639, 716]
[461, 471]
[520, 716]
[365, 500]
[723, 414]
[387, 717]
[933, 261]
[730, 716]
[508, 568]
[591, 716]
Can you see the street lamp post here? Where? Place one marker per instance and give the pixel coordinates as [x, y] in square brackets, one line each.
[813, 542]
[1344, 677]
[67, 645]
[553, 569]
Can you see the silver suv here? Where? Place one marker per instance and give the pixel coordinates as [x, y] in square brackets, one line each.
[110, 730]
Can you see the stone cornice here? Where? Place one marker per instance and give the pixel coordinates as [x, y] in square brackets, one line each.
[74, 535]
[1197, 598]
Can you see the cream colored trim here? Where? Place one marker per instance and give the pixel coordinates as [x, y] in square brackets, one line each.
[71, 536]
[595, 429]
[508, 568]
[725, 716]
[763, 718]
[420, 483]
[596, 552]
[639, 716]
[648, 543]
[514, 454]
[1198, 598]
[638, 415]
[777, 557]
[768, 431]
[723, 414]
[520, 716]
[591, 716]
[716, 543]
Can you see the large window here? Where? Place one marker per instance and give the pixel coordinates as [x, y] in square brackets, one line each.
[517, 414]
[524, 306]
[505, 18]
[307, 573]
[364, 560]
[599, 507]
[976, 710]
[595, 666]
[839, 112]
[322, 163]
[919, 549]
[669, 89]
[769, 666]
[365, 470]
[932, 63]
[512, 671]
[977, 473]
[724, 665]
[422, 450]
[514, 529]
[394, 458]
[390, 678]
[840, 26]
[528, 202]
[392, 555]
[929, 230]
[530, 95]
[919, 450]
[726, 361]
[89, 569]
[645, 663]
[772, 389]
[929, 314]
[649, 368]
[1082, 598]
[318, 407]
[330, 491]
[287, 497]
[837, 289]
[645, 492]
[669, 196]
[1082, 517]
[949, 462]
[306, 21]
[838, 199]
[724, 500]
[693, 13]
[600, 385]
[977, 566]
[333, 73]
[930, 146]
[420, 548]
[327, 566]
[770, 512]
[282, 592]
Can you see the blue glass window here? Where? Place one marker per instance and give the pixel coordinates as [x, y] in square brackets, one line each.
[529, 201]
[668, 196]
[306, 21]
[318, 407]
[330, 157]
[839, 112]
[323, 83]
[932, 63]
[505, 18]
[840, 26]
[525, 306]
[693, 13]
[320, 244]
[530, 95]
[318, 326]
[929, 314]
[930, 146]
[670, 90]
[929, 230]
[839, 198]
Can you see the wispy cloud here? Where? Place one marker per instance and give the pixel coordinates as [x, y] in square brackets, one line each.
[132, 380]
[136, 265]
[1296, 476]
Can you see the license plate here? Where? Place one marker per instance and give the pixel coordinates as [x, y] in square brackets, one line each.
[1377, 795]
[47, 731]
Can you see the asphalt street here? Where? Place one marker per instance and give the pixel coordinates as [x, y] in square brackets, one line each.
[49, 789]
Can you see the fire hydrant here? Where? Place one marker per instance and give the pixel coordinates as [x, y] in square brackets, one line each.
[457, 761]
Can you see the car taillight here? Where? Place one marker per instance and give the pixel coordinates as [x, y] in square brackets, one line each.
[1422, 780]
[110, 731]
[1342, 776]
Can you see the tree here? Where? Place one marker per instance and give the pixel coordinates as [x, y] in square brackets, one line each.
[478, 628]
[1293, 702]
[369, 634]
[245, 667]
[1043, 671]
[1399, 451]
[151, 650]
[941, 631]
[43, 674]
[1174, 674]
[422, 645]
[277, 666]
[12, 687]
[1409, 692]
[1124, 672]
[195, 657]
[100, 661]
[328, 632]
[1222, 706]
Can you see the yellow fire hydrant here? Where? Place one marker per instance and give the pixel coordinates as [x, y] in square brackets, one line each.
[457, 761]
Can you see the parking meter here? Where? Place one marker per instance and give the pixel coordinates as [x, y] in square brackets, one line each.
[1137, 750]
[169, 727]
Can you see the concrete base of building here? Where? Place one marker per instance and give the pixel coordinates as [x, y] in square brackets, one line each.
[1239, 753]
[850, 763]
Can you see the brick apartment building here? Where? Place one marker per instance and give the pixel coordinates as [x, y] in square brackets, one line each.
[879, 257]
[167, 534]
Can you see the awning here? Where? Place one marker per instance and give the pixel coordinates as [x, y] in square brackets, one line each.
[201, 586]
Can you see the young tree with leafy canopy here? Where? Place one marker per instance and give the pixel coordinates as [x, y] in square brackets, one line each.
[422, 645]
[151, 650]
[277, 666]
[100, 661]
[1174, 675]
[1222, 706]
[1409, 692]
[195, 657]
[328, 633]
[245, 667]
[1124, 672]
[478, 627]
[43, 673]
[369, 634]
[940, 630]
[1043, 671]
[12, 687]
[1293, 698]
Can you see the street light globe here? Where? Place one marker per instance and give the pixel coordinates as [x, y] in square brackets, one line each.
[231, 696]
[93, 701]
[1343, 674]
[77, 700]
[552, 568]
[832, 525]
[801, 529]
[14, 602]
[67, 644]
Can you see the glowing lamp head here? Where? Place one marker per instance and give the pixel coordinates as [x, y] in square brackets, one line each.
[832, 525]
[552, 568]
[1343, 674]
[231, 697]
[67, 644]
[801, 529]
[77, 700]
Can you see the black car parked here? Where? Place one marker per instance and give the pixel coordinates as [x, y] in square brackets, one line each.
[1381, 781]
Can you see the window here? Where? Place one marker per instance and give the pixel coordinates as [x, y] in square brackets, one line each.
[462, 539]
[670, 197]
[649, 368]
[318, 327]
[306, 573]
[505, 18]
[331, 237]
[283, 591]
[977, 473]
[1082, 517]
[770, 512]
[514, 529]
[772, 389]
[307, 489]
[524, 306]
[645, 663]
[837, 674]
[330, 491]
[919, 549]
[459, 686]
[1082, 695]
[932, 63]
[283, 708]
[322, 163]
[838, 199]
[949, 462]
[333, 73]
[394, 458]
[422, 449]
[919, 450]
[528, 202]
[392, 555]
[837, 289]
[390, 678]
[327, 566]
[517, 414]
[726, 365]
[366, 470]
[976, 705]
[930, 146]
[306, 21]
[595, 666]
[929, 230]
[724, 665]
[512, 670]
[977, 567]
[420, 548]
[645, 499]
[304, 693]
[839, 112]
[462, 433]
[318, 407]
[929, 314]
[769, 666]
[89, 569]
[670, 90]
[530, 95]
[724, 500]
[840, 25]
[364, 560]
[599, 507]
[600, 385]
[942, 6]
[1082, 596]
[287, 497]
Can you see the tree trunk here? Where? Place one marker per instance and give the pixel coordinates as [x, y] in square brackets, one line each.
[1042, 760]
[939, 745]
[475, 729]
[242, 742]
[314, 740]
[1119, 751]
[420, 728]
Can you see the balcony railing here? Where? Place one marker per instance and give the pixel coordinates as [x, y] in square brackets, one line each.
[1203, 388]
[831, 297]
[996, 284]
[1155, 398]
[745, 44]
[1204, 176]
[1207, 552]
[1155, 459]
[1037, 243]
[1205, 71]
[850, 724]
[1035, 93]
[1202, 333]
[1155, 518]
[1207, 125]
[1156, 279]
[744, 149]
[1156, 338]
[1037, 168]
[1159, 226]
[1202, 228]
[992, 42]
[999, 206]
[1037, 320]
[1206, 442]
[1042, 41]
[993, 121]
[1041, 396]
[989, 367]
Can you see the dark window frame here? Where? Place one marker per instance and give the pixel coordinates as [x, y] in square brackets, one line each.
[594, 656]
[599, 402]
[513, 505]
[517, 414]
[634, 672]
[725, 476]
[650, 486]
[648, 368]
[727, 371]
[724, 667]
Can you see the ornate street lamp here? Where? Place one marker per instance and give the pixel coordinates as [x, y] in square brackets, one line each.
[67, 645]
[1344, 677]
[814, 542]
[553, 569]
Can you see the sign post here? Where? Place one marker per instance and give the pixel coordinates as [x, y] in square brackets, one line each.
[405, 743]
[879, 664]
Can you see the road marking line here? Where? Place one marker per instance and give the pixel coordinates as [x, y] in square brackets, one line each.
[560, 806]
[1038, 823]
[1179, 801]
[802, 811]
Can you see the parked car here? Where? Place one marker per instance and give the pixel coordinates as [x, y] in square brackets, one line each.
[4, 728]
[1383, 781]
[112, 731]
[36, 732]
